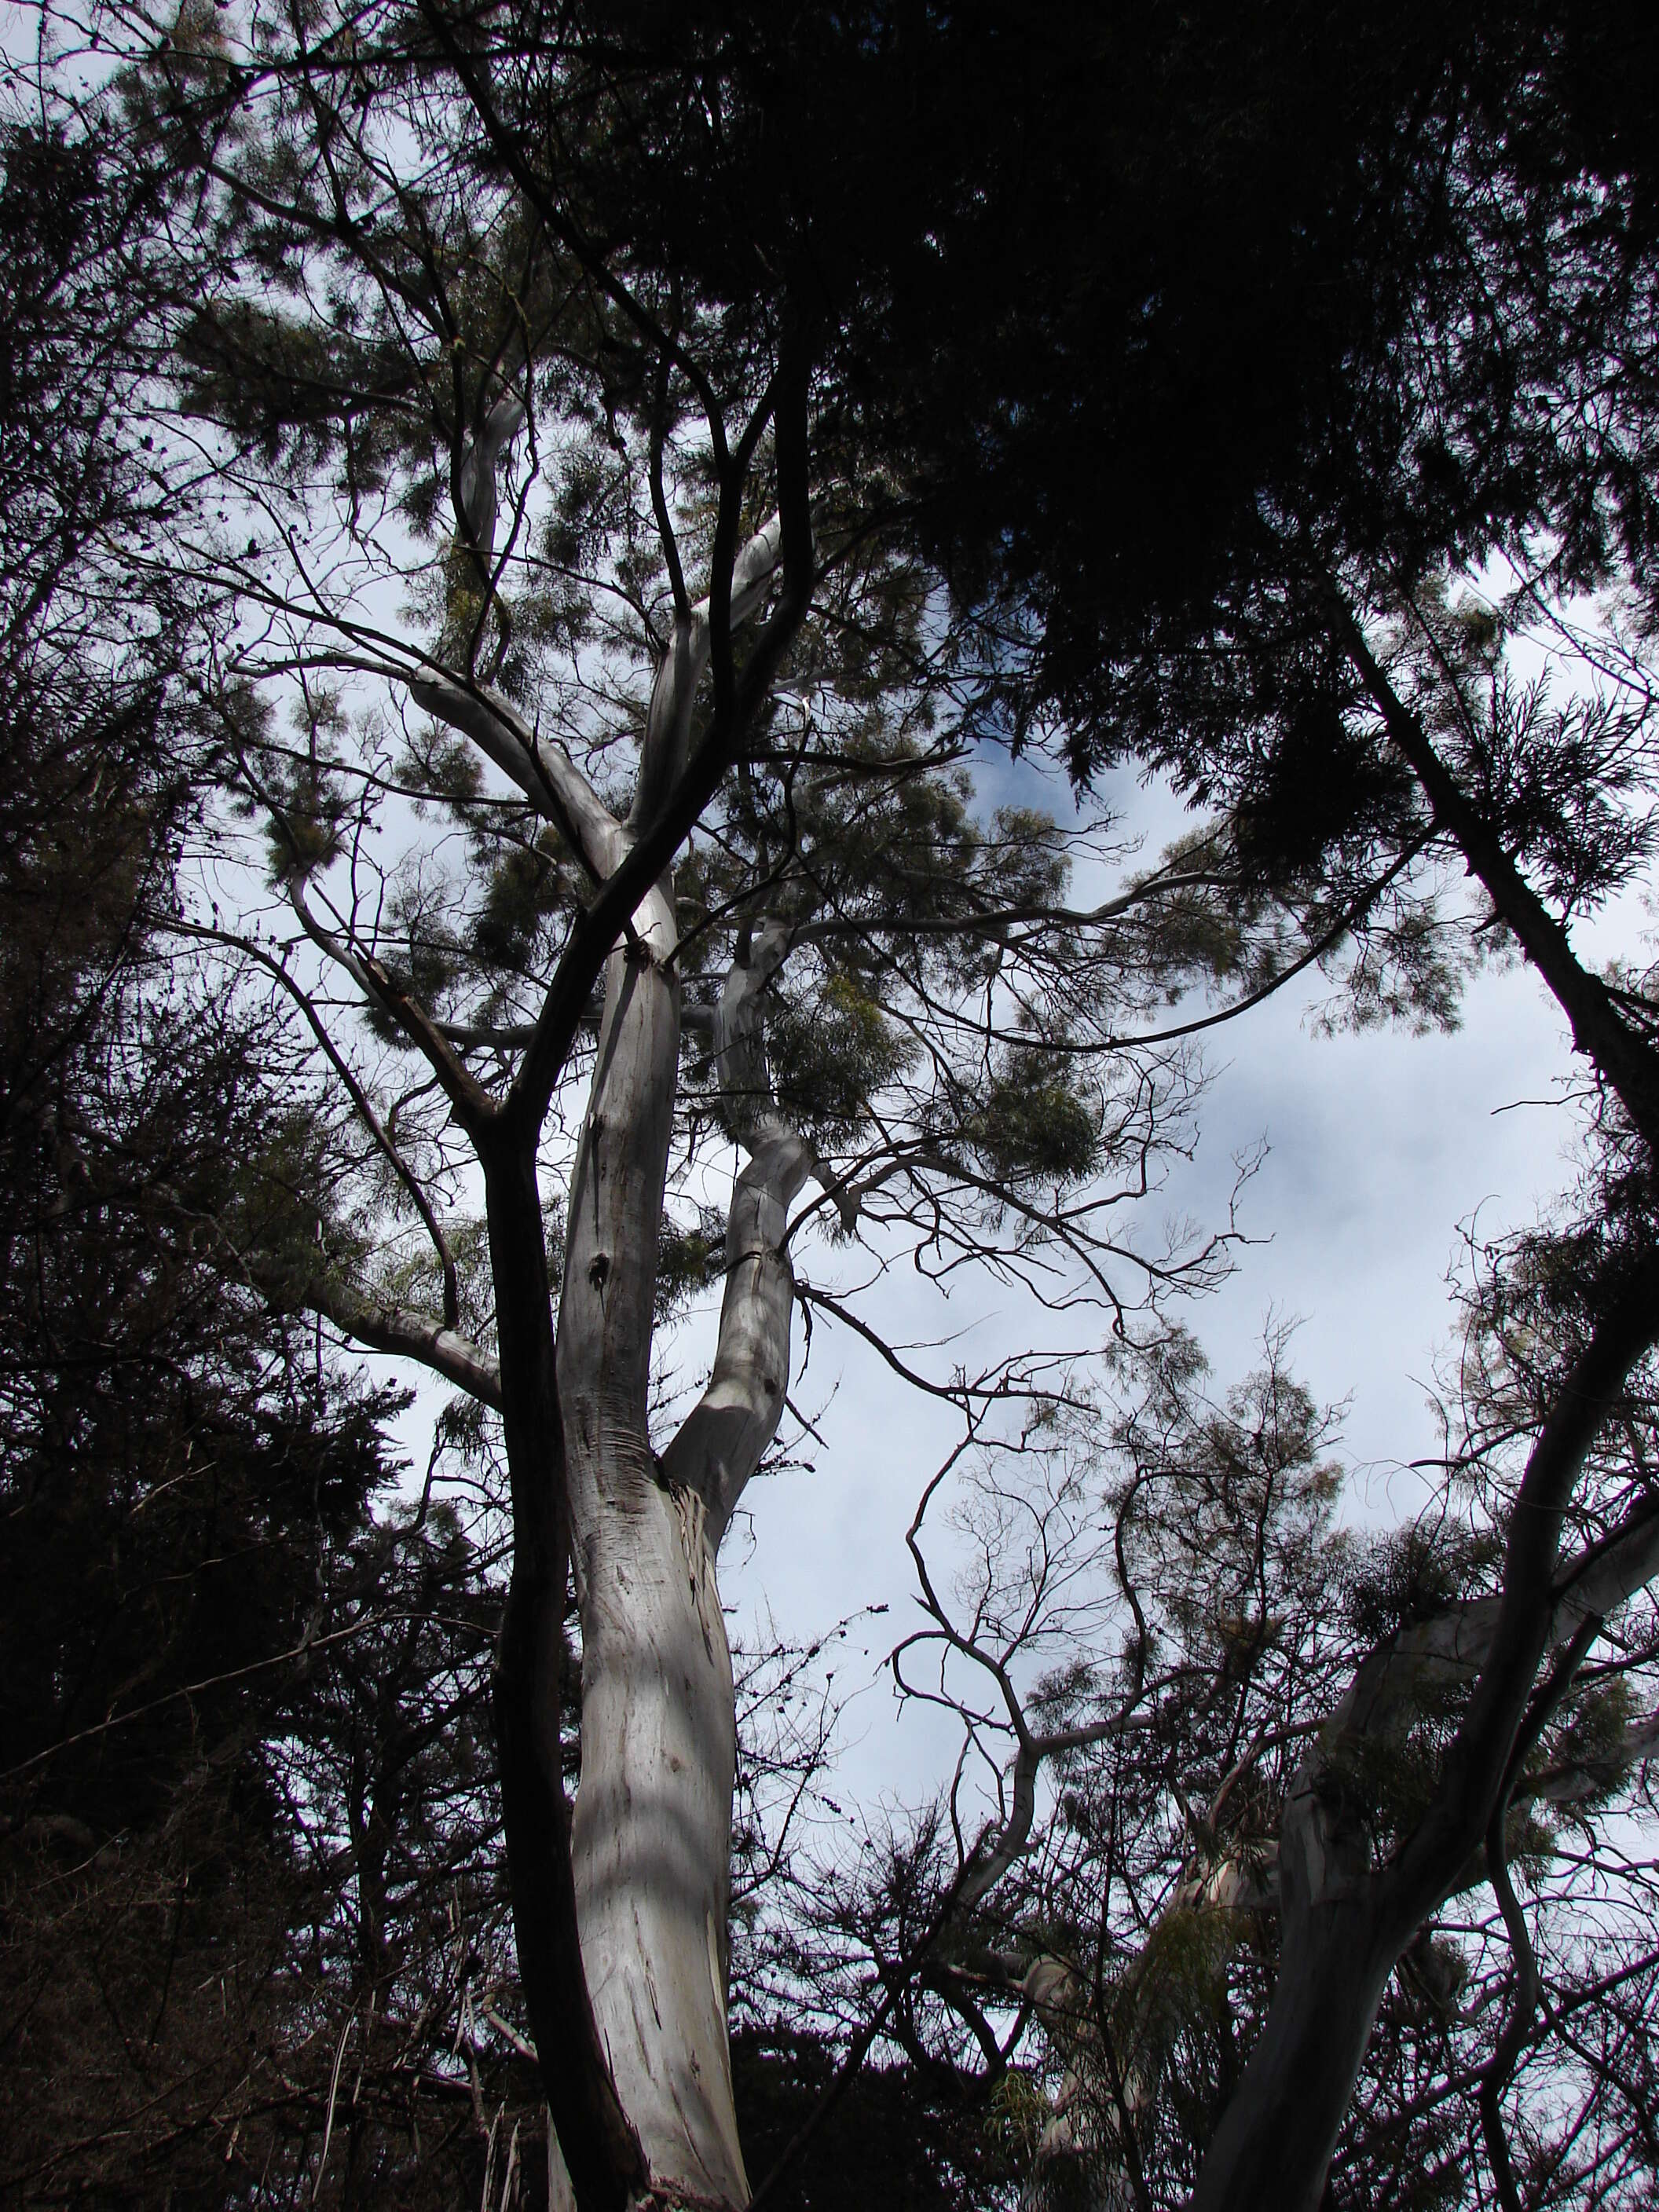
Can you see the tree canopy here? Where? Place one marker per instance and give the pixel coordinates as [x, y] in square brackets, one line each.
[577, 576]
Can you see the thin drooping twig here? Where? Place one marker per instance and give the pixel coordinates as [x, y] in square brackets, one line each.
[333, 2093]
[359, 1097]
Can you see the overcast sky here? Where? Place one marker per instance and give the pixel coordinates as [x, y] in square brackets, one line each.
[1379, 1147]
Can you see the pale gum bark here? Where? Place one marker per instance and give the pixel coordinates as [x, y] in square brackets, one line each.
[651, 1832]
[651, 1835]
[1275, 2139]
[723, 1437]
[1340, 1940]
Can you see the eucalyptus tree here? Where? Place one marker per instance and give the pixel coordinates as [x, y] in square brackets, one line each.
[602, 816]
[1167, 1620]
[1399, 705]
[576, 395]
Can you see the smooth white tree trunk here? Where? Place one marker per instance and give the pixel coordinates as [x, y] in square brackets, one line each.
[651, 1836]
[651, 1839]
[651, 1831]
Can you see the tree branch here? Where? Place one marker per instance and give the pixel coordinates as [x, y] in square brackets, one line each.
[1530, 1605]
[1625, 1061]
[547, 776]
[598, 926]
[359, 1097]
[723, 1439]
[474, 1108]
[409, 1336]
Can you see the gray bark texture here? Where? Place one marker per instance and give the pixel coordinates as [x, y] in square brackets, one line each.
[642, 2094]
[651, 1836]
[651, 1833]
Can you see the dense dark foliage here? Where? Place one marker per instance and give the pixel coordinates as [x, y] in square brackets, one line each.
[1167, 384]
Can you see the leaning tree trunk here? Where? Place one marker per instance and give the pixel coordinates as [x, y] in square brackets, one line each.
[651, 1836]
[651, 1832]
[1274, 2143]
[1345, 1922]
